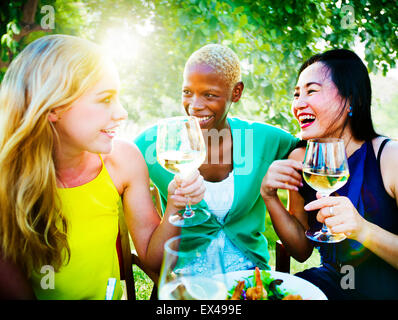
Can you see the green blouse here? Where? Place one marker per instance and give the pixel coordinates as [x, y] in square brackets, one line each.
[255, 146]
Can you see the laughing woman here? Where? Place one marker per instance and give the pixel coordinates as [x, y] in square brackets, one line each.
[238, 155]
[63, 175]
[332, 99]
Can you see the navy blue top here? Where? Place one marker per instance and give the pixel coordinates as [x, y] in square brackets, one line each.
[374, 277]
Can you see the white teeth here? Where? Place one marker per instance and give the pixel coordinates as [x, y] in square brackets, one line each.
[203, 118]
[307, 116]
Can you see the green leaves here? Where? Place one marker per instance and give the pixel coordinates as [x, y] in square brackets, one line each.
[13, 27]
[272, 37]
[8, 45]
[288, 8]
[243, 20]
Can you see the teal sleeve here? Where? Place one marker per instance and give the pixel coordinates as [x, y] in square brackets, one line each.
[146, 142]
[287, 143]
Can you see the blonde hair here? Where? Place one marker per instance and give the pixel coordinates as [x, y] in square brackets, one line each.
[49, 73]
[221, 58]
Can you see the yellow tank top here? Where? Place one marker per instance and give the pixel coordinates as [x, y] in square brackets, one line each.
[92, 214]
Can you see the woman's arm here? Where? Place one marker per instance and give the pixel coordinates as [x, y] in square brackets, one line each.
[379, 241]
[346, 219]
[147, 229]
[290, 225]
[388, 167]
[13, 283]
[141, 216]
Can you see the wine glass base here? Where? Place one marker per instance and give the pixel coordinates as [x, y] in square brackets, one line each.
[198, 217]
[322, 237]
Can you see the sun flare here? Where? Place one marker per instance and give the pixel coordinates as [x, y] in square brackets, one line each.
[126, 42]
[121, 44]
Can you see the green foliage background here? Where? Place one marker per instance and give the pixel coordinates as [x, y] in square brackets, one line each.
[272, 38]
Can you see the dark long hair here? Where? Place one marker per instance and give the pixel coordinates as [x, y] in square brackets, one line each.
[351, 77]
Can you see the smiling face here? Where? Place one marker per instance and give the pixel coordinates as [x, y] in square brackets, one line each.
[208, 96]
[317, 105]
[89, 123]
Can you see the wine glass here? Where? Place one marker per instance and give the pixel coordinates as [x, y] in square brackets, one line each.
[181, 149]
[192, 269]
[325, 169]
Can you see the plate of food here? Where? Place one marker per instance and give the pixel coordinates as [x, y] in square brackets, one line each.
[270, 285]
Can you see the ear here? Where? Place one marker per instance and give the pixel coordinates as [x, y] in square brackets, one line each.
[237, 91]
[53, 116]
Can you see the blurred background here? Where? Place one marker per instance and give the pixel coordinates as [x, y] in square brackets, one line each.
[151, 40]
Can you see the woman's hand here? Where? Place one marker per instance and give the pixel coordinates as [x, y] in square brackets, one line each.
[282, 174]
[340, 216]
[192, 188]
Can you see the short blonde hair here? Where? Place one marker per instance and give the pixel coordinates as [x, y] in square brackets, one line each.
[221, 58]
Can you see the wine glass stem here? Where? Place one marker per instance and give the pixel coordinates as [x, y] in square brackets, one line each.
[188, 210]
[325, 229]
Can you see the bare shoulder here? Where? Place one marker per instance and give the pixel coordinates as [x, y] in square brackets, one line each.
[391, 145]
[124, 151]
[389, 156]
[388, 164]
[125, 163]
[297, 154]
[391, 149]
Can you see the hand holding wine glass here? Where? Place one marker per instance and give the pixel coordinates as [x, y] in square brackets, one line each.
[325, 169]
[181, 150]
[192, 187]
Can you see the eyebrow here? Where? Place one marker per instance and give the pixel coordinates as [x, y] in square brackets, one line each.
[211, 89]
[308, 84]
[112, 91]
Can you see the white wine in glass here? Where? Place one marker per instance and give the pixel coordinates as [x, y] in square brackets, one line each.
[325, 169]
[181, 162]
[180, 149]
[192, 269]
[323, 182]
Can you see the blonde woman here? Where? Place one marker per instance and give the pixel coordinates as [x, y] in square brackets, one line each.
[62, 175]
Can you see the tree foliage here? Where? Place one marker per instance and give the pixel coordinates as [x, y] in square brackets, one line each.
[275, 37]
[22, 21]
[272, 38]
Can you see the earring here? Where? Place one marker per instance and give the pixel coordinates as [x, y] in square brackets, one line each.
[350, 111]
